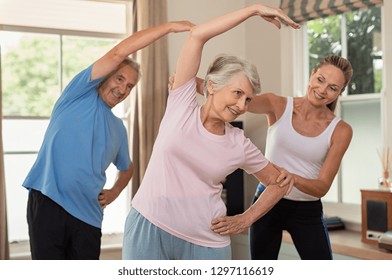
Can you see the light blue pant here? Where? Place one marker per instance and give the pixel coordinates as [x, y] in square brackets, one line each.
[145, 241]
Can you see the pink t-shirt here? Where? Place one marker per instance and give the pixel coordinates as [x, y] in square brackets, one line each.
[181, 189]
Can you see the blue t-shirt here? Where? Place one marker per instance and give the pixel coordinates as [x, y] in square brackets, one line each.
[82, 139]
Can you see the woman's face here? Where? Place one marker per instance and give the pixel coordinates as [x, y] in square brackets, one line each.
[118, 86]
[232, 100]
[325, 85]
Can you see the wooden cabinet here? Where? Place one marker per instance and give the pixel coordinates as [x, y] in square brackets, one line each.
[376, 214]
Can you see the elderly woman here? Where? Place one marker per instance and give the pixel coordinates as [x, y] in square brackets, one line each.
[196, 149]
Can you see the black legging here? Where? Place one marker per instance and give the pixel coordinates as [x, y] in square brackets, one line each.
[302, 219]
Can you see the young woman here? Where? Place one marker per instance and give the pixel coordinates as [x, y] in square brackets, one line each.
[308, 140]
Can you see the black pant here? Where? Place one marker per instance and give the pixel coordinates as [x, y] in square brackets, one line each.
[56, 235]
[303, 220]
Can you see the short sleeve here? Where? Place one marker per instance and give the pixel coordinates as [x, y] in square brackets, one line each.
[254, 160]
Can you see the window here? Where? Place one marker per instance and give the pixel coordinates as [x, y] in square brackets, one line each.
[357, 36]
[37, 62]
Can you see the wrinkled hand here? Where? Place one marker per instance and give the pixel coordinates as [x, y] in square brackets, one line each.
[276, 16]
[181, 26]
[106, 197]
[226, 225]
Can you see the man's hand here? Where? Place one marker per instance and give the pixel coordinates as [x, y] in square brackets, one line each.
[106, 197]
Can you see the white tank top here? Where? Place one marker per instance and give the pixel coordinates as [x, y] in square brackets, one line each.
[298, 154]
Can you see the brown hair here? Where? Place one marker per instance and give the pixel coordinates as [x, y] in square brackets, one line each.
[344, 65]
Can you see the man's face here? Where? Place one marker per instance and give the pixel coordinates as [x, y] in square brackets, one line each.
[118, 86]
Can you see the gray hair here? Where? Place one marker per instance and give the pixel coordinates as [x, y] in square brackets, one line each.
[127, 61]
[135, 65]
[224, 67]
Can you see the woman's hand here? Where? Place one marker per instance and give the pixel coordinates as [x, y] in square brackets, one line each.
[276, 16]
[226, 225]
[285, 179]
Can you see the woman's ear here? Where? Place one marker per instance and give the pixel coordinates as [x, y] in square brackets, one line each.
[210, 87]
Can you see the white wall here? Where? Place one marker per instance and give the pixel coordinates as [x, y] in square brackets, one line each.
[232, 42]
[255, 40]
[387, 78]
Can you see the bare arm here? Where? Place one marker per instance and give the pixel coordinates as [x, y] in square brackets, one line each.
[190, 56]
[278, 184]
[107, 196]
[264, 103]
[133, 43]
[268, 104]
[340, 142]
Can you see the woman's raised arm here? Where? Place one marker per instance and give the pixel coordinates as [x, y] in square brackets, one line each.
[189, 60]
